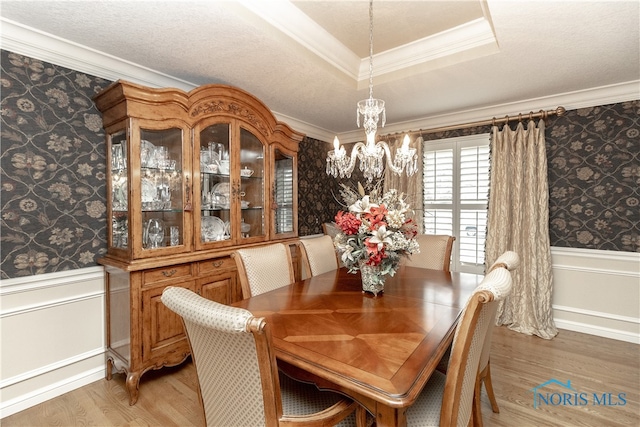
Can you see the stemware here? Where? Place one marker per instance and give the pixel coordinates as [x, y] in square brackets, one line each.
[154, 233]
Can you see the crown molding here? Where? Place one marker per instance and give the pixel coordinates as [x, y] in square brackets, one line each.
[36, 44]
[465, 42]
[287, 18]
[603, 95]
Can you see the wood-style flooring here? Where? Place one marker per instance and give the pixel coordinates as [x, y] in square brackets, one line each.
[519, 363]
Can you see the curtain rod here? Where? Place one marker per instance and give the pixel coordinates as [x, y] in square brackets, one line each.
[493, 122]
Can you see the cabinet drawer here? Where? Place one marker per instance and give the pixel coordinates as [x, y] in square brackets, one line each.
[215, 265]
[180, 271]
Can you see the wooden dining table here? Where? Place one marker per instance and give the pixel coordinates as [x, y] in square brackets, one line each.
[381, 350]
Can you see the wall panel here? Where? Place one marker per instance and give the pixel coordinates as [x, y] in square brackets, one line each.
[53, 335]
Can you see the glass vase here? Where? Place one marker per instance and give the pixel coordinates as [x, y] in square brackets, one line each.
[372, 280]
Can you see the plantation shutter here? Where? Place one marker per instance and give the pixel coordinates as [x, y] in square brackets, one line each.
[456, 184]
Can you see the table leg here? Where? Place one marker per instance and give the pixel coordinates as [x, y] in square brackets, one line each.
[387, 416]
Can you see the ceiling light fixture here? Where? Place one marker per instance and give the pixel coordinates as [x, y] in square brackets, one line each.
[371, 154]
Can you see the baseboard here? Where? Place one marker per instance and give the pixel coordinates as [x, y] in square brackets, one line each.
[599, 331]
[50, 391]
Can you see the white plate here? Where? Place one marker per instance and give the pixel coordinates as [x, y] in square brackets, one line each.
[147, 154]
[221, 188]
[149, 191]
[212, 228]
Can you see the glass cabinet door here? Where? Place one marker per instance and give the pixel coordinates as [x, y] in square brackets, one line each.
[214, 185]
[284, 193]
[251, 193]
[161, 190]
[119, 189]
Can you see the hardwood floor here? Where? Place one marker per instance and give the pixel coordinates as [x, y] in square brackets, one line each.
[519, 363]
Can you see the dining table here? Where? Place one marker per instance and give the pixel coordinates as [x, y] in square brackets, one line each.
[378, 350]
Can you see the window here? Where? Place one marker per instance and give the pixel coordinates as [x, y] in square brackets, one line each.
[456, 185]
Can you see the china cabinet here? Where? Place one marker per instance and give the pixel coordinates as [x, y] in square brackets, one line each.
[191, 177]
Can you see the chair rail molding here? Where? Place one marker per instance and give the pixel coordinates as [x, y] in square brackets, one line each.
[597, 292]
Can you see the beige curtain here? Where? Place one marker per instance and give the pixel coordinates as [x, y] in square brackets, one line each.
[518, 220]
[411, 186]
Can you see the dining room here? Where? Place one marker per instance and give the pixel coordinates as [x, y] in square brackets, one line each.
[59, 218]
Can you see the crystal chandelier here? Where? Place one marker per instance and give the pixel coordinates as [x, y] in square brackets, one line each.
[371, 154]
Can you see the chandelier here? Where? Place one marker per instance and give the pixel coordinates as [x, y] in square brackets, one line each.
[371, 154]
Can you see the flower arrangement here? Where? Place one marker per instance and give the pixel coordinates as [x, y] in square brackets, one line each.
[375, 232]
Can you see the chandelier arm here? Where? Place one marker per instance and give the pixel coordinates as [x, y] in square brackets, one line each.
[390, 162]
[357, 148]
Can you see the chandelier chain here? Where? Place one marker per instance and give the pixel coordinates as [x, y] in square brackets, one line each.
[371, 154]
[371, 49]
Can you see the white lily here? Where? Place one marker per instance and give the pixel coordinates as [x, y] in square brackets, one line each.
[346, 254]
[363, 206]
[381, 236]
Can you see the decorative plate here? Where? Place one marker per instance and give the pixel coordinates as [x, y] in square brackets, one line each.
[212, 228]
[147, 154]
[149, 191]
[222, 188]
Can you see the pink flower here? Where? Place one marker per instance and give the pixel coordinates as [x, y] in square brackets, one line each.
[376, 217]
[348, 222]
[375, 254]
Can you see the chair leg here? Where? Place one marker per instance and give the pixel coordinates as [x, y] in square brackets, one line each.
[476, 412]
[489, 386]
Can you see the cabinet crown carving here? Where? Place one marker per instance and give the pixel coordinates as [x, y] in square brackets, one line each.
[212, 107]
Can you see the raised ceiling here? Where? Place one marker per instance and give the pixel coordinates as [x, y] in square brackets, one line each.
[308, 60]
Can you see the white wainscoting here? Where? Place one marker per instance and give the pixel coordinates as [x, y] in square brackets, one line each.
[53, 336]
[597, 292]
[53, 327]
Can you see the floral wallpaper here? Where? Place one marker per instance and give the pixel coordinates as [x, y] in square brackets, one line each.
[594, 177]
[52, 168]
[52, 177]
[318, 193]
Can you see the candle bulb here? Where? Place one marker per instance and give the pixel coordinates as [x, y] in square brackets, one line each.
[405, 144]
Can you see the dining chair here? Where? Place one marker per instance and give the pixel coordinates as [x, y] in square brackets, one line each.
[330, 229]
[263, 268]
[435, 252]
[238, 379]
[509, 260]
[318, 255]
[448, 400]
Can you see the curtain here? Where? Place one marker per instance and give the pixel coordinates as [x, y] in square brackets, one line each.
[411, 186]
[518, 220]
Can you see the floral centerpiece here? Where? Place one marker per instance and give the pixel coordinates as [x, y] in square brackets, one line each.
[375, 233]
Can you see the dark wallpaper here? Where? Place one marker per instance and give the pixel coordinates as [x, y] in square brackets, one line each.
[52, 167]
[594, 177]
[52, 175]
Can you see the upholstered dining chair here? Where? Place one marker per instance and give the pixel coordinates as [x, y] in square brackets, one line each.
[330, 229]
[238, 379]
[435, 252]
[263, 268]
[318, 255]
[509, 260]
[448, 400]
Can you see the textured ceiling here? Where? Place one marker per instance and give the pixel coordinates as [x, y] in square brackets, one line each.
[308, 60]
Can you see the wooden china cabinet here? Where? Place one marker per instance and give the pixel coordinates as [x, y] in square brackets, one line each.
[190, 178]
